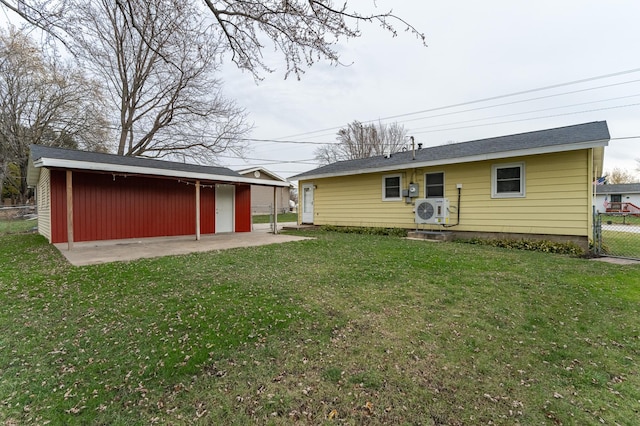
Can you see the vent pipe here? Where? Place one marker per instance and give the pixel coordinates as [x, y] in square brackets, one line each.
[413, 147]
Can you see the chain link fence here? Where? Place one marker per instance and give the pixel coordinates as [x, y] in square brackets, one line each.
[617, 235]
[18, 219]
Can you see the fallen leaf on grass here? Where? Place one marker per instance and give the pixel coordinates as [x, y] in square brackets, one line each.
[332, 414]
[75, 410]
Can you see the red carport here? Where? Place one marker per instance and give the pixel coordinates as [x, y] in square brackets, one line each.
[89, 196]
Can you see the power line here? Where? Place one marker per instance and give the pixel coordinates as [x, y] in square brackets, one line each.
[522, 101]
[310, 161]
[526, 112]
[528, 119]
[624, 137]
[278, 141]
[492, 98]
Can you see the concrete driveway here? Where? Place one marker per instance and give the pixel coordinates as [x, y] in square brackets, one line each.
[96, 252]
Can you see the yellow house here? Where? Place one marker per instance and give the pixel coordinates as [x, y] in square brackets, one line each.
[535, 185]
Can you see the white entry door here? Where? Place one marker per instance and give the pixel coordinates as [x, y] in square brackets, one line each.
[307, 203]
[224, 208]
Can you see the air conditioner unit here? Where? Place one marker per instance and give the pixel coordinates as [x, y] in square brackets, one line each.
[432, 210]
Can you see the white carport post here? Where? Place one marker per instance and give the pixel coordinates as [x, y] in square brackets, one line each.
[197, 210]
[69, 194]
[275, 209]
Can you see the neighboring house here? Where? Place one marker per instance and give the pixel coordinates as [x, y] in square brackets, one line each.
[262, 197]
[619, 198]
[88, 196]
[528, 185]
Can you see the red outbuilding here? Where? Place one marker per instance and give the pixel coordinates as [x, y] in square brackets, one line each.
[88, 196]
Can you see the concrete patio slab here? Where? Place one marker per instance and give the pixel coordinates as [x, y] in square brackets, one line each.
[96, 252]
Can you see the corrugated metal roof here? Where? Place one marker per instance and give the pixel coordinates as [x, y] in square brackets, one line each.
[557, 139]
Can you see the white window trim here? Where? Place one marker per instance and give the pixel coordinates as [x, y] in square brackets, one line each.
[384, 179]
[494, 181]
[444, 183]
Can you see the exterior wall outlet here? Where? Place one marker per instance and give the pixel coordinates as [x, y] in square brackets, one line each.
[459, 185]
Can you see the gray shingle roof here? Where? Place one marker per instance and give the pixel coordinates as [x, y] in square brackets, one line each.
[38, 152]
[621, 188]
[569, 135]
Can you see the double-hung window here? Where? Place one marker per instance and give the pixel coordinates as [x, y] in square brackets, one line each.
[391, 188]
[434, 185]
[507, 180]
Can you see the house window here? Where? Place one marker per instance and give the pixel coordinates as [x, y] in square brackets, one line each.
[391, 188]
[507, 180]
[434, 185]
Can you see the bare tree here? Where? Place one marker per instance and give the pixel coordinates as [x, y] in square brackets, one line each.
[304, 31]
[159, 76]
[618, 175]
[152, 53]
[359, 140]
[42, 101]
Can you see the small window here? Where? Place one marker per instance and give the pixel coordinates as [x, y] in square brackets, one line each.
[507, 180]
[434, 185]
[391, 188]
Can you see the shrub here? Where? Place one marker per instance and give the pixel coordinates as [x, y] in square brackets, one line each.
[544, 246]
[392, 232]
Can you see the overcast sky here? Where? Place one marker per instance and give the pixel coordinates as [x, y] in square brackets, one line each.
[476, 50]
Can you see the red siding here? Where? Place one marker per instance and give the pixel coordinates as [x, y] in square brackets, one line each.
[58, 206]
[207, 210]
[243, 208]
[136, 207]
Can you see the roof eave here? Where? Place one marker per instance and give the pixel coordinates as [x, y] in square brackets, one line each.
[262, 170]
[468, 159]
[118, 168]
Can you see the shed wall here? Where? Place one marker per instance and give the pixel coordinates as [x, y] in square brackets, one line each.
[117, 207]
[243, 220]
[262, 199]
[43, 194]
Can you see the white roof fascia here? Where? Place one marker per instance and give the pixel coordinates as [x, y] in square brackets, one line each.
[118, 168]
[468, 159]
[263, 170]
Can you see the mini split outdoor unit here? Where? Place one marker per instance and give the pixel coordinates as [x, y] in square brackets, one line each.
[432, 210]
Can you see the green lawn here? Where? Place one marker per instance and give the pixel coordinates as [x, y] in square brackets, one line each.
[617, 219]
[619, 243]
[17, 226]
[282, 217]
[348, 329]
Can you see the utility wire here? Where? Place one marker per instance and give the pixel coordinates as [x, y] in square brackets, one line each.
[521, 101]
[310, 161]
[529, 119]
[526, 112]
[492, 98]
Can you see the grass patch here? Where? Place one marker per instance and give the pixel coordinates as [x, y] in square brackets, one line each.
[365, 230]
[17, 226]
[620, 219]
[364, 329]
[619, 243]
[282, 217]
